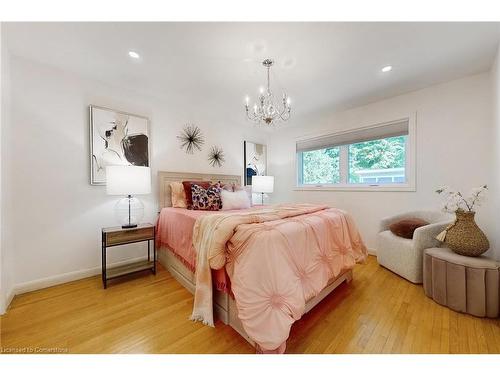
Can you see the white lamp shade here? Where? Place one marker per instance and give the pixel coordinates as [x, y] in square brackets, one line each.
[262, 184]
[128, 180]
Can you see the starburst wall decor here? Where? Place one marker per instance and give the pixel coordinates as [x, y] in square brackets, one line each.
[191, 138]
[216, 156]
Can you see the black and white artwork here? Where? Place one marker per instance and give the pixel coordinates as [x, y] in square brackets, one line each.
[116, 138]
[255, 160]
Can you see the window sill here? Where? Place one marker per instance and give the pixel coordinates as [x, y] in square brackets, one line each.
[402, 188]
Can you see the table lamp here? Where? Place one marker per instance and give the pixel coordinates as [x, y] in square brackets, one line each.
[262, 184]
[129, 181]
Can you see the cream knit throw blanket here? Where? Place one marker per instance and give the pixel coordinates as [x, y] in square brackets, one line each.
[210, 235]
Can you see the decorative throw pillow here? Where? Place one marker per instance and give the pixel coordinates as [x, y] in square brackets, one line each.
[406, 227]
[206, 199]
[234, 200]
[247, 189]
[178, 195]
[187, 190]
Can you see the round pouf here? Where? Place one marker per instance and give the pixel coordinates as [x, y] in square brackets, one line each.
[464, 284]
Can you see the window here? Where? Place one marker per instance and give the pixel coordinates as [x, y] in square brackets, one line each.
[381, 161]
[371, 158]
[321, 166]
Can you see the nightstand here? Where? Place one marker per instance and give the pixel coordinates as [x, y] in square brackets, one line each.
[116, 236]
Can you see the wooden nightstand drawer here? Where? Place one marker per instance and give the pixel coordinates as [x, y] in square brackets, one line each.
[116, 236]
[128, 236]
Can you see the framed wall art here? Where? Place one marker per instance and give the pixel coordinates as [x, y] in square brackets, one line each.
[116, 138]
[255, 160]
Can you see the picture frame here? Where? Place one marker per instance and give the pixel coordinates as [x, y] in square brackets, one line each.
[116, 138]
[254, 160]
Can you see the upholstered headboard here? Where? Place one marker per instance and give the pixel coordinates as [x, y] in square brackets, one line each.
[165, 178]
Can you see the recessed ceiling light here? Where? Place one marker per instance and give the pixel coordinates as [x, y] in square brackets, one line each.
[387, 68]
[133, 54]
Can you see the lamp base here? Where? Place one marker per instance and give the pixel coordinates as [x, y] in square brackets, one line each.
[128, 226]
[129, 212]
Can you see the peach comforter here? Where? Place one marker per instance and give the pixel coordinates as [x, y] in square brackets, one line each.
[277, 258]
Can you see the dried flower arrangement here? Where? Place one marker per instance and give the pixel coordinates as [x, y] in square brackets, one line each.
[455, 201]
[463, 236]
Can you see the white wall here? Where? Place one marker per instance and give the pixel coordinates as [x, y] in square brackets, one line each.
[6, 254]
[495, 186]
[2, 115]
[54, 214]
[453, 148]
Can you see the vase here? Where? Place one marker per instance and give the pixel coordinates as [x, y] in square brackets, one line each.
[464, 237]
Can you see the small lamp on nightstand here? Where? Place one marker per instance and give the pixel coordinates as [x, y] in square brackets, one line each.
[128, 180]
[262, 184]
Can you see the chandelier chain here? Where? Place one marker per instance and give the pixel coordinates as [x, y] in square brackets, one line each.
[268, 80]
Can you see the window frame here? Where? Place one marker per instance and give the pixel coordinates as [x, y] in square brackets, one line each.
[344, 185]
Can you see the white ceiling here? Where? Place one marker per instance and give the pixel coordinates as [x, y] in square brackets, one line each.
[335, 65]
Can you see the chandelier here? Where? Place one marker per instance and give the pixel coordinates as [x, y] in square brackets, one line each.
[267, 110]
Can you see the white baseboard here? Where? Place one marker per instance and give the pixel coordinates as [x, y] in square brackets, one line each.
[58, 279]
[8, 299]
[372, 252]
[9, 296]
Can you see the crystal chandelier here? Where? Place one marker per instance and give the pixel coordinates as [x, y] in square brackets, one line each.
[267, 110]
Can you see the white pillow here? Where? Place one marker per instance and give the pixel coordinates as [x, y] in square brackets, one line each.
[234, 200]
[248, 190]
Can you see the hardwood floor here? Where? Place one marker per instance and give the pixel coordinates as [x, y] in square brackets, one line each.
[378, 312]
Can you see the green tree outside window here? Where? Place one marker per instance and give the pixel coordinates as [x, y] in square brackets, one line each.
[378, 154]
[321, 166]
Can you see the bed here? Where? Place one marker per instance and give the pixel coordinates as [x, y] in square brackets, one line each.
[231, 291]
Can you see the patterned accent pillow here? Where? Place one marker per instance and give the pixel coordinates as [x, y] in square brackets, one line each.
[206, 199]
[187, 190]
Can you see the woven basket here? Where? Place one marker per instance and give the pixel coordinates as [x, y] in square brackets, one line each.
[464, 237]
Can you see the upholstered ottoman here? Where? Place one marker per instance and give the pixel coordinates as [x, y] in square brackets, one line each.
[464, 284]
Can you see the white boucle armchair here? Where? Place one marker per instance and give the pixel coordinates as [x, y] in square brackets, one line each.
[404, 256]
